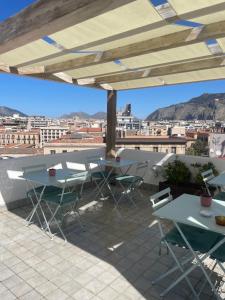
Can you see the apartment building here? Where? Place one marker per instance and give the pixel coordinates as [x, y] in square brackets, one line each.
[155, 144]
[73, 142]
[20, 137]
[37, 122]
[51, 133]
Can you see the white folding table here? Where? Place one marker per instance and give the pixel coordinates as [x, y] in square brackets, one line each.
[62, 179]
[114, 165]
[186, 210]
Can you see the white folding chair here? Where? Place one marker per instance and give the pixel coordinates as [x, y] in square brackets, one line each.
[206, 176]
[62, 204]
[35, 194]
[130, 184]
[82, 176]
[96, 173]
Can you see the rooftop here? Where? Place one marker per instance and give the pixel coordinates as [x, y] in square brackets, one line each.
[115, 258]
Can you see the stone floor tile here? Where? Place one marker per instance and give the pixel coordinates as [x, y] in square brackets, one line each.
[12, 281]
[46, 288]
[71, 287]
[95, 286]
[57, 294]
[7, 295]
[33, 295]
[84, 278]
[21, 289]
[36, 280]
[108, 294]
[83, 294]
[5, 274]
[20, 267]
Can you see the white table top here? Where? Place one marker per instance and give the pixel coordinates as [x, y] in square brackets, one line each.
[62, 176]
[218, 180]
[186, 209]
[117, 164]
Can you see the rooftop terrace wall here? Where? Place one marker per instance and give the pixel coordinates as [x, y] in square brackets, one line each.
[12, 189]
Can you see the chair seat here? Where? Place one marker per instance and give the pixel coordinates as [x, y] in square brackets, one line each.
[200, 240]
[128, 179]
[219, 196]
[68, 197]
[48, 189]
[102, 175]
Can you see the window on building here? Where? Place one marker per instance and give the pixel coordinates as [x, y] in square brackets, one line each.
[52, 151]
[156, 149]
[174, 150]
[64, 151]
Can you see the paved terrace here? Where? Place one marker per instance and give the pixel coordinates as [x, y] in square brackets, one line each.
[113, 259]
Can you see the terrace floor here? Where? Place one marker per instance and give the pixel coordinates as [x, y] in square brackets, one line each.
[115, 258]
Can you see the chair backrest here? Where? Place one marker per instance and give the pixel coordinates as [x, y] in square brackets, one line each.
[34, 168]
[161, 198]
[206, 176]
[142, 168]
[92, 162]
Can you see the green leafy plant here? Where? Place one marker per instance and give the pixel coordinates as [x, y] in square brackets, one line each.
[177, 172]
[203, 168]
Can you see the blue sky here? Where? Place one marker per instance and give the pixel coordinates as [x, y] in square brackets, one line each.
[34, 96]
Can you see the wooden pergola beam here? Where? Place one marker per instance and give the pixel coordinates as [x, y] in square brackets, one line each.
[46, 17]
[186, 16]
[173, 40]
[175, 68]
[111, 124]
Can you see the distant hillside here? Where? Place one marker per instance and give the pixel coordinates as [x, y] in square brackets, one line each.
[83, 115]
[204, 107]
[7, 111]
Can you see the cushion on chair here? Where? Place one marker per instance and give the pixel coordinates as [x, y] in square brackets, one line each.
[128, 178]
[101, 175]
[200, 240]
[219, 196]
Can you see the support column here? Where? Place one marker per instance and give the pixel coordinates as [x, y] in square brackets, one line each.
[111, 124]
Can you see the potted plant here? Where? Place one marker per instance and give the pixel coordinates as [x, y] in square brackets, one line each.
[178, 178]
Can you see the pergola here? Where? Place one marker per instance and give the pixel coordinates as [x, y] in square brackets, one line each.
[116, 44]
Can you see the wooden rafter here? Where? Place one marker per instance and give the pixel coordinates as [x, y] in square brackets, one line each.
[186, 16]
[175, 68]
[47, 17]
[173, 40]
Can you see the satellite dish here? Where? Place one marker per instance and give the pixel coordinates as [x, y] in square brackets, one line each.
[211, 150]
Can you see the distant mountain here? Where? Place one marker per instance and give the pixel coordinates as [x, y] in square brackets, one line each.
[204, 107]
[83, 115]
[7, 112]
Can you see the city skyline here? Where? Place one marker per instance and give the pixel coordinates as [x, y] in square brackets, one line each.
[39, 97]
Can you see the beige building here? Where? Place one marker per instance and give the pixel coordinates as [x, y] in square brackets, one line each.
[71, 143]
[158, 130]
[155, 144]
[51, 133]
[20, 137]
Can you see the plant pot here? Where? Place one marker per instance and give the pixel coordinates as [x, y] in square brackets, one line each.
[206, 200]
